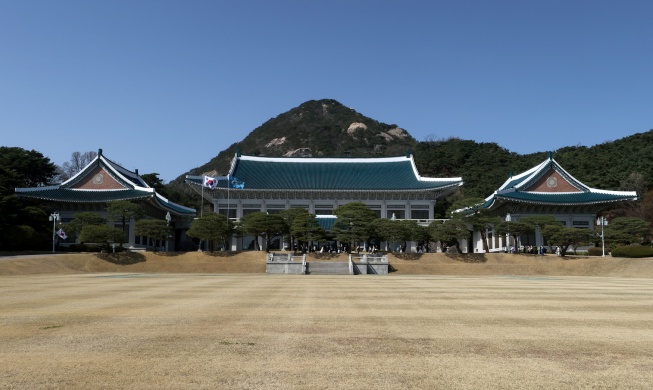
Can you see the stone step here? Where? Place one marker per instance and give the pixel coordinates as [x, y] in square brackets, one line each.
[327, 268]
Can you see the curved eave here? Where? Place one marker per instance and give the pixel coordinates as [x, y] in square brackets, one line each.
[429, 185]
[489, 202]
[257, 190]
[533, 199]
[174, 208]
[83, 196]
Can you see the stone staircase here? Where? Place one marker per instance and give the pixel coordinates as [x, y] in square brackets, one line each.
[327, 268]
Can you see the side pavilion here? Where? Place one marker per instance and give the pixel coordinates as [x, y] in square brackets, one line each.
[103, 181]
[389, 186]
[547, 189]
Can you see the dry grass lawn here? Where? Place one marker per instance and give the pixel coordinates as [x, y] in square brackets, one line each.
[171, 322]
[254, 262]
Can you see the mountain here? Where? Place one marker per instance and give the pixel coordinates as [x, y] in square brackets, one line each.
[317, 128]
[326, 128]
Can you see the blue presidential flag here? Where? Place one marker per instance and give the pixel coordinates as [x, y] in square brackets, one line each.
[236, 183]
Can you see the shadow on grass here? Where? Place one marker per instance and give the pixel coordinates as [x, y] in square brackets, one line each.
[168, 254]
[467, 257]
[408, 256]
[122, 258]
[222, 253]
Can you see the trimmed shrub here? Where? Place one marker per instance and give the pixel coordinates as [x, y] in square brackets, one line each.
[633, 251]
[595, 251]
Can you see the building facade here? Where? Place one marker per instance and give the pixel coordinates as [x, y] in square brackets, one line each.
[390, 186]
[103, 181]
[546, 189]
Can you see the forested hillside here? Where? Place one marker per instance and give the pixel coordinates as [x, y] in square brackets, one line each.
[326, 128]
[624, 164]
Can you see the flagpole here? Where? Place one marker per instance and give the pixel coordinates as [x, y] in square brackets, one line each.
[202, 204]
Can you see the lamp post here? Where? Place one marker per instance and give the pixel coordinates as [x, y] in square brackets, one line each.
[508, 219]
[602, 222]
[54, 217]
[168, 219]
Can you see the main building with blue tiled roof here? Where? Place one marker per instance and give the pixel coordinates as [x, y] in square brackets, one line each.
[390, 186]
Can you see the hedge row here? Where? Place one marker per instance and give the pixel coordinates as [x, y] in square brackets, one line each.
[633, 251]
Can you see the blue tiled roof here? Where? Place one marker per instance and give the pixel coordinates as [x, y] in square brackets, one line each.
[326, 222]
[565, 198]
[83, 196]
[134, 188]
[395, 173]
[513, 190]
[56, 194]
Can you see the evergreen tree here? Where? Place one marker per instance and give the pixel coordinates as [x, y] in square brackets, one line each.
[212, 228]
[354, 223]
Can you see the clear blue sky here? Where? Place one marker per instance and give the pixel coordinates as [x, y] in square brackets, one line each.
[164, 86]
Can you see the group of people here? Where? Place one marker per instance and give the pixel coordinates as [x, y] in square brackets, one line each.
[334, 248]
[535, 250]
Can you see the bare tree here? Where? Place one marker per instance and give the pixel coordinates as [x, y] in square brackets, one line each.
[635, 182]
[77, 162]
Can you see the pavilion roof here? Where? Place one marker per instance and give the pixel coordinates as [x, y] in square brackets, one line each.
[548, 183]
[117, 183]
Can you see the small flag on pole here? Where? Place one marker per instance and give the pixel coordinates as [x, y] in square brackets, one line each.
[236, 183]
[62, 234]
[210, 182]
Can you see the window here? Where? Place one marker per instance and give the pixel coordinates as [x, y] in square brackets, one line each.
[227, 210]
[419, 211]
[249, 208]
[323, 209]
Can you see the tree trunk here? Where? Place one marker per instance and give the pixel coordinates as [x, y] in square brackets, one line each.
[457, 245]
[486, 246]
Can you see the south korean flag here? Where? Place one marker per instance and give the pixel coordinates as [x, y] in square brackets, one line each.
[210, 182]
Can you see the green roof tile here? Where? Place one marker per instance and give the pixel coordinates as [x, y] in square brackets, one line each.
[334, 174]
[511, 190]
[67, 195]
[565, 198]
